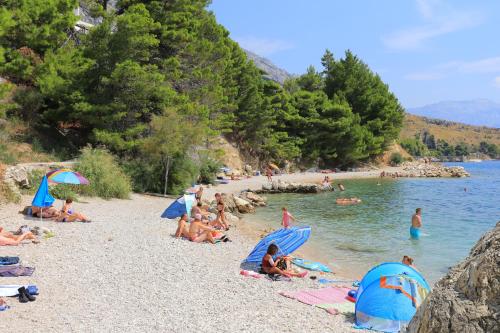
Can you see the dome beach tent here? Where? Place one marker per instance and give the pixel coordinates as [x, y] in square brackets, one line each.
[388, 297]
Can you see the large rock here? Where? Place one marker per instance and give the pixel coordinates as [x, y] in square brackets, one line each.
[254, 198]
[244, 206]
[467, 299]
[279, 186]
[19, 175]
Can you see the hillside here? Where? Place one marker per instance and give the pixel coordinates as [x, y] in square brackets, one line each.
[477, 112]
[273, 72]
[451, 132]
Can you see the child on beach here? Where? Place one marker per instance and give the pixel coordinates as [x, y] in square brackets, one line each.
[285, 221]
[270, 266]
[408, 261]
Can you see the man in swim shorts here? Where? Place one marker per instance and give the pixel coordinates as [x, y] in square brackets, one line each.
[416, 224]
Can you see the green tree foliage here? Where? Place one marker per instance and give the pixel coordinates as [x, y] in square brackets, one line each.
[157, 80]
[415, 147]
[28, 29]
[380, 113]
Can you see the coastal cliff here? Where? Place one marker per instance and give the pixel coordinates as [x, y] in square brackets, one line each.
[467, 299]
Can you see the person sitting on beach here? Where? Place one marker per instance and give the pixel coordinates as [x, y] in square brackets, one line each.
[199, 232]
[269, 266]
[408, 261]
[8, 238]
[341, 187]
[416, 224]
[68, 215]
[47, 213]
[285, 220]
[182, 228]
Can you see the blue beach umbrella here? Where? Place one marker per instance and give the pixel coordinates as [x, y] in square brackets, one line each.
[42, 197]
[180, 206]
[287, 240]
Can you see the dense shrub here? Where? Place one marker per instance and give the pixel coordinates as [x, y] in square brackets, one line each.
[208, 169]
[107, 179]
[396, 158]
[64, 191]
[182, 175]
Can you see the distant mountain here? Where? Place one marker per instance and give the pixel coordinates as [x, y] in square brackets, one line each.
[273, 72]
[479, 112]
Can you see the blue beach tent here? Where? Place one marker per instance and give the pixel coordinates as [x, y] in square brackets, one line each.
[287, 240]
[42, 197]
[180, 206]
[388, 297]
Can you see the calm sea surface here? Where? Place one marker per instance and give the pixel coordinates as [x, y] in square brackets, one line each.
[352, 239]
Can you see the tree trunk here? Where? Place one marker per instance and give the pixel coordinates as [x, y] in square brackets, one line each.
[167, 169]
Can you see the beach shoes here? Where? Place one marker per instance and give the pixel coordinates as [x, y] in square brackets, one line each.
[24, 295]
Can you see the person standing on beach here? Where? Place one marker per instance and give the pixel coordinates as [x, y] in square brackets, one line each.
[199, 194]
[269, 174]
[416, 224]
[285, 221]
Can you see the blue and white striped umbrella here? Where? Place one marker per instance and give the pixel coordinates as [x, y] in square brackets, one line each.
[179, 207]
[287, 240]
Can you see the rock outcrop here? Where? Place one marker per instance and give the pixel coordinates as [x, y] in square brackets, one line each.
[279, 186]
[418, 169]
[467, 299]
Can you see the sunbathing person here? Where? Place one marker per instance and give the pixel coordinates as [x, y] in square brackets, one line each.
[182, 228]
[48, 212]
[269, 266]
[347, 201]
[68, 215]
[7, 238]
[199, 232]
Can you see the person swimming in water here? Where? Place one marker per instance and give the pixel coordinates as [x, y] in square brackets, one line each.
[416, 224]
[408, 261]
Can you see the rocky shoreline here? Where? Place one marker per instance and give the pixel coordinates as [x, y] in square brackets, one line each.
[467, 299]
[431, 170]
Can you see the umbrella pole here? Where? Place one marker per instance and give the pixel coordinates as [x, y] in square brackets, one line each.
[41, 214]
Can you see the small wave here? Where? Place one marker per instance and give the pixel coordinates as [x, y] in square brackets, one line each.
[357, 248]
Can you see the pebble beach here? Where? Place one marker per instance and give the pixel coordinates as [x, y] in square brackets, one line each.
[125, 272]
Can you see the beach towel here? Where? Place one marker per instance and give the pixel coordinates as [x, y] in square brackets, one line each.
[9, 260]
[12, 290]
[331, 299]
[15, 271]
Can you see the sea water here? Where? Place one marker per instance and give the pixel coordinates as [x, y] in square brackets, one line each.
[352, 239]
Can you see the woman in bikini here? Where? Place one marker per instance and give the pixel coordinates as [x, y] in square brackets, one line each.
[269, 266]
[68, 215]
[221, 217]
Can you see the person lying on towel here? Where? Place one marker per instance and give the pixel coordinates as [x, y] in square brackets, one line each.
[7, 238]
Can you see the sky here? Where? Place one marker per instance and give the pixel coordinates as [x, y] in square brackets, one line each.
[425, 50]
